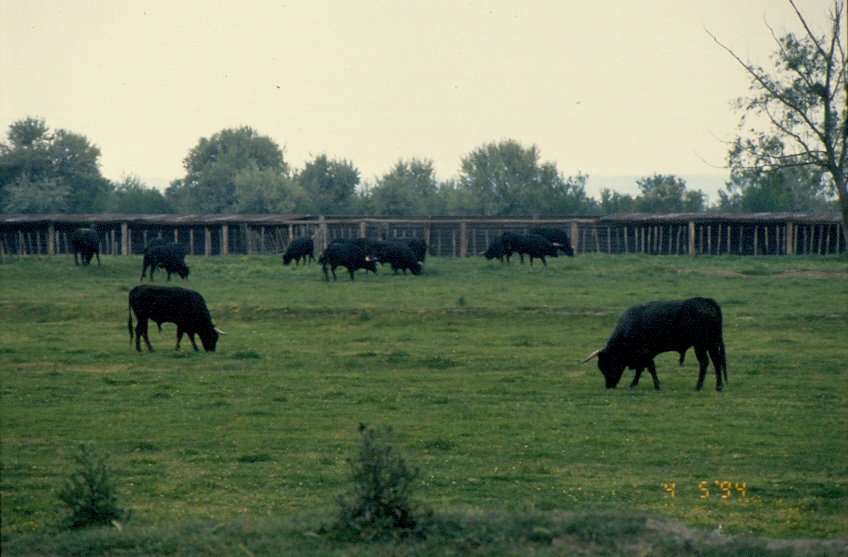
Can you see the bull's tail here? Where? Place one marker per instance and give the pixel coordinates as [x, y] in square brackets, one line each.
[722, 356]
[129, 323]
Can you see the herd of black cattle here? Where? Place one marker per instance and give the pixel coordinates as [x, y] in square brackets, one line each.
[642, 332]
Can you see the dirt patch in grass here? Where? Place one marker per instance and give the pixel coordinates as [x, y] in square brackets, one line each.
[784, 274]
[812, 274]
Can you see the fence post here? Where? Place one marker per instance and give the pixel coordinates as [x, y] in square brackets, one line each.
[125, 239]
[463, 239]
[691, 237]
[427, 229]
[225, 239]
[574, 239]
[323, 235]
[51, 231]
[245, 233]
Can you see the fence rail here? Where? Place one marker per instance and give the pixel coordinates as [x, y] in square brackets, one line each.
[675, 234]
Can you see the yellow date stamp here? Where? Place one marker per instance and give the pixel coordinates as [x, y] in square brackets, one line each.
[724, 489]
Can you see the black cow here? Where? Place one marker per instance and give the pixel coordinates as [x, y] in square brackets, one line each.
[170, 257]
[400, 256]
[497, 250]
[369, 246]
[86, 243]
[531, 245]
[418, 247]
[172, 304]
[301, 247]
[346, 254]
[559, 238]
[646, 330]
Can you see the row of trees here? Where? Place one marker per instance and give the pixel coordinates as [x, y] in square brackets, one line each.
[241, 171]
[792, 158]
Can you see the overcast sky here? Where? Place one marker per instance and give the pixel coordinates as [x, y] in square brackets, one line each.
[608, 88]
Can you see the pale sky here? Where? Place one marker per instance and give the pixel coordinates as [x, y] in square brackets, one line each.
[609, 88]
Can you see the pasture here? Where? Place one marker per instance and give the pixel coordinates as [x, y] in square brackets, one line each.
[476, 366]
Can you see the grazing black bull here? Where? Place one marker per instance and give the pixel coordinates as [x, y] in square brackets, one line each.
[86, 243]
[531, 245]
[171, 304]
[170, 257]
[559, 238]
[497, 250]
[345, 254]
[646, 330]
[418, 247]
[399, 256]
[300, 248]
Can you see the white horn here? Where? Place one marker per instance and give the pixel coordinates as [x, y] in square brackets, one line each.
[594, 354]
[219, 331]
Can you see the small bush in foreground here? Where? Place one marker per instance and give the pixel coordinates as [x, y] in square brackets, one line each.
[89, 492]
[379, 504]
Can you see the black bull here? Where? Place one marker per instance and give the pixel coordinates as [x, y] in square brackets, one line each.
[163, 304]
[646, 330]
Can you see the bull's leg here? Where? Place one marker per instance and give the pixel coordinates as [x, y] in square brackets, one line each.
[324, 268]
[193, 344]
[97, 253]
[351, 273]
[545, 263]
[141, 330]
[76, 260]
[179, 338]
[652, 369]
[703, 361]
[636, 378]
[715, 356]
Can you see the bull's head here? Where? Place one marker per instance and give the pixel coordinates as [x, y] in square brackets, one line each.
[209, 339]
[610, 366]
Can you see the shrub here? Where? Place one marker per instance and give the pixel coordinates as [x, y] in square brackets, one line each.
[89, 492]
[379, 504]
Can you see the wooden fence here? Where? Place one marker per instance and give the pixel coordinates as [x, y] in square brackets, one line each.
[676, 234]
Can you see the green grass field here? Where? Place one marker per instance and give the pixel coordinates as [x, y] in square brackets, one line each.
[476, 366]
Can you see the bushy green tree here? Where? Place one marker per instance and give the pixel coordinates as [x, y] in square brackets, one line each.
[667, 193]
[268, 191]
[330, 185]
[60, 167]
[800, 188]
[408, 189]
[45, 195]
[130, 195]
[506, 178]
[797, 112]
[614, 202]
[214, 165]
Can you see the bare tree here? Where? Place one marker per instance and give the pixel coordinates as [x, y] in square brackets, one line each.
[803, 101]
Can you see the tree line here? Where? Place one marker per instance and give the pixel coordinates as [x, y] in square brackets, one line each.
[790, 155]
[239, 170]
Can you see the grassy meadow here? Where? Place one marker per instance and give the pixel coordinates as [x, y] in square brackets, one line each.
[475, 365]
